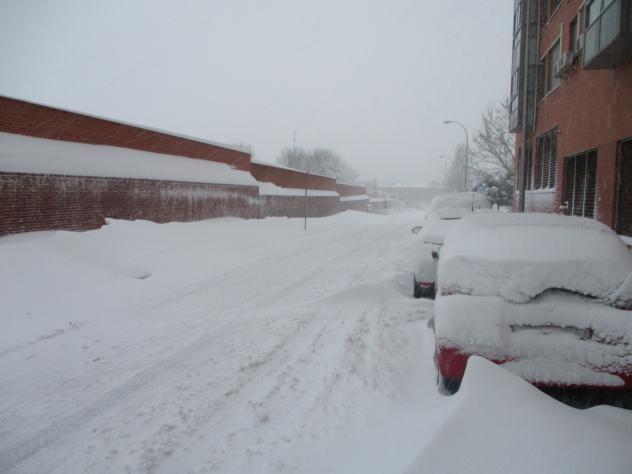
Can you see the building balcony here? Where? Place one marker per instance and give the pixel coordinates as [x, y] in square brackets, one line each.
[608, 35]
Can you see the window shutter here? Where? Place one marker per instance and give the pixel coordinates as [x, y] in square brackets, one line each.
[624, 199]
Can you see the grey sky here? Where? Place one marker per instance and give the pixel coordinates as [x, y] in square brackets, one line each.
[373, 80]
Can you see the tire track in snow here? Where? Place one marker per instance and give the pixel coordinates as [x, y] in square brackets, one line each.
[15, 454]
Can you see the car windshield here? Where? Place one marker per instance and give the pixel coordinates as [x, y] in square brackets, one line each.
[276, 237]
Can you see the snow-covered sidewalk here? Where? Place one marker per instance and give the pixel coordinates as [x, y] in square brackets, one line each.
[252, 346]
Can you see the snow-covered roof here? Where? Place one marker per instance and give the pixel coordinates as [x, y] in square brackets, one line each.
[269, 189]
[465, 200]
[518, 256]
[23, 154]
[275, 165]
[144, 127]
[359, 197]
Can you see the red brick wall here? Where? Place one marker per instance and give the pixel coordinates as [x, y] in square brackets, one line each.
[31, 202]
[289, 178]
[350, 189]
[593, 110]
[294, 206]
[360, 205]
[25, 118]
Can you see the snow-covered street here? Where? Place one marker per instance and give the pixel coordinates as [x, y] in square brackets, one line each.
[240, 346]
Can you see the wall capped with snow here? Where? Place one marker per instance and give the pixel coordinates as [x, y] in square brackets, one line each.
[25, 118]
[350, 189]
[290, 178]
[71, 171]
[355, 203]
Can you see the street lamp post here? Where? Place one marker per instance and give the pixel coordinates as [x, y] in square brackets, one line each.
[467, 144]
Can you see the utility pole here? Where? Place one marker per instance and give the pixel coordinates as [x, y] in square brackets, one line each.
[306, 183]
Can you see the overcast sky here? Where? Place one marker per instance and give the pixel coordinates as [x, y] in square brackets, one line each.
[373, 80]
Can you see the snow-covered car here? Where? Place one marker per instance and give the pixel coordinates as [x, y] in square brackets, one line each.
[445, 210]
[548, 297]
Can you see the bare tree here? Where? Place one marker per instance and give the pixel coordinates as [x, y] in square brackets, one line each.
[319, 161]
[295, 157]
[493, 151]
[492, 161]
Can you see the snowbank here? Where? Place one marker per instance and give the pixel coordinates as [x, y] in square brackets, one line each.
[22, 154]
[518, 256]
[502, 424]
[269, 189]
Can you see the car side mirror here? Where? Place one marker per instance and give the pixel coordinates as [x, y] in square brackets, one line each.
[417, 229]
[435, 255]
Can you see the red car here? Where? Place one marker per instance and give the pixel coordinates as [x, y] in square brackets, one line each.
[546, 296]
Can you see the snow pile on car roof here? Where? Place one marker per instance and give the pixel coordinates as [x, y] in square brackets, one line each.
[518, 256]
[436, 227]
[460, 201]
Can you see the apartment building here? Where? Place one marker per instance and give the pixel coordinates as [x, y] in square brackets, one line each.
[571, 108]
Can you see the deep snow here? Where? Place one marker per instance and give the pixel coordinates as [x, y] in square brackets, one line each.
[24, 154]
[255, 347]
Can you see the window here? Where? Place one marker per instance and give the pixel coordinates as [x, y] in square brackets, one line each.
[575, 36]
[580, 177]
[551, 59]
[547, 8]
[624, 191]
[602, 26]
[515, 108]
[528, 167]
[546, 160]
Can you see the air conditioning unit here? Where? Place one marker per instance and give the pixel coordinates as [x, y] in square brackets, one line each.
[578, 46]
[564, 64]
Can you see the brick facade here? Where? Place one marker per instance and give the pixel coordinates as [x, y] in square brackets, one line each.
[33, 202]
[357, 205]
[294, 206]
[350, 189]
[592, 109]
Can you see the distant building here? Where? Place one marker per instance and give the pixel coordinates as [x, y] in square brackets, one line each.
[411, 195]
[571, 107]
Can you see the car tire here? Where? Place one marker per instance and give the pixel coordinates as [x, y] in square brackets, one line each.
[417, 292]
[428, 293]
[447, 386]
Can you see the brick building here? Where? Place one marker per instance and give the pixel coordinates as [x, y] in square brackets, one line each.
[66, 170]
[63, 170]
[571, 107]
